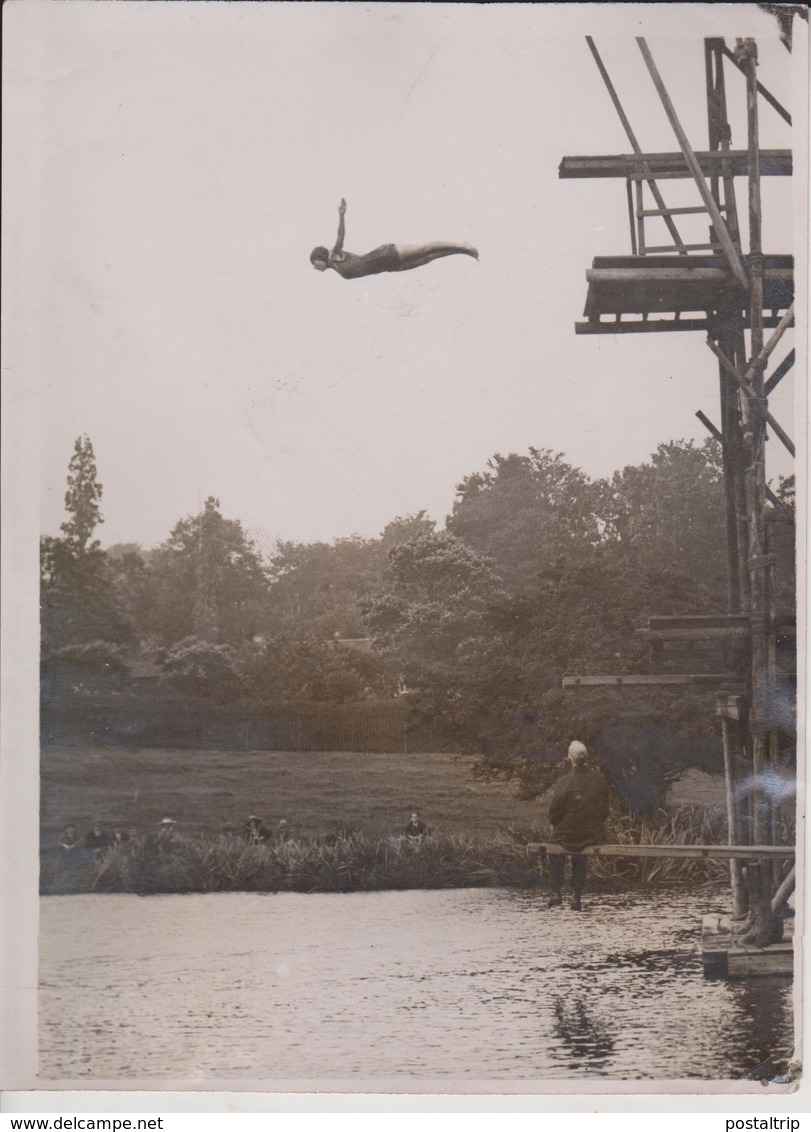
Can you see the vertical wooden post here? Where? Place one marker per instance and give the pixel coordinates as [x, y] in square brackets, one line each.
[720, 133]
[731, 465]
[730, 740]
[756, 473]
[766, 927]
[740, 463]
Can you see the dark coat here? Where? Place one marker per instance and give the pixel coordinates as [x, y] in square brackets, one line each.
[579, 809]
[95, 840]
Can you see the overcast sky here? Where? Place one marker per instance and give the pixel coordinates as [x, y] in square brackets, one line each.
[174, 166]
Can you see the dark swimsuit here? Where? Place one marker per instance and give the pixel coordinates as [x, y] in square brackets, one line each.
[384, 258]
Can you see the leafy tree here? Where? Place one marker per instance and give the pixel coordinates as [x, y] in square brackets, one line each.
[288, 668]
[82, 498]
[125, 549]
[529, 514]
[209, 580]
[317, 588]
[572, 569]
[76, 601]
[667, 518]
[134, 588]
[437, 626]
[403, 529]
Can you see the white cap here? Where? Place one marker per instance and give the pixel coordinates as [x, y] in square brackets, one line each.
[577, 752]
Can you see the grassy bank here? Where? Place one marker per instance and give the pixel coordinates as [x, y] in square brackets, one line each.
[344, 815]
[205, 862]
[316, 792]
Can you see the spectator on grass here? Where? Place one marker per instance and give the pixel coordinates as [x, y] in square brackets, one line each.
[167, 831]
[98, 838]
[416, 829]
[69, 840]
[254, 832]
[282, 830]
[577, 815]
[120, 834]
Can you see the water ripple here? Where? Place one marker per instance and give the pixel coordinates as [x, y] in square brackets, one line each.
[459, 984]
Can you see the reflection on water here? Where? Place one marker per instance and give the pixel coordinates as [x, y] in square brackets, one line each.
[581, 1035]
[471, 984]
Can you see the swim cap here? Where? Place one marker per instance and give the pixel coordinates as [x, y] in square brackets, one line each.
[577, 753]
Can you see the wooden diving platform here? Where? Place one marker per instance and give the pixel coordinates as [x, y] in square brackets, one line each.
[694, 852]
[722, 955]
[652, 679]
[773, 163]
[643, 294]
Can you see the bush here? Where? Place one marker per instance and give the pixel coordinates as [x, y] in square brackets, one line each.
[201, 667]
[97, 657]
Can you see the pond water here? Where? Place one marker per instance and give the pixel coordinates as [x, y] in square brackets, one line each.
[473, 984]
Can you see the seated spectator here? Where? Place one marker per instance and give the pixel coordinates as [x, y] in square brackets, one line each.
[282, 830]
[167, 831]
[69, 840]
[98, 838]
[120, 834]
[254, 832]
[416, 829]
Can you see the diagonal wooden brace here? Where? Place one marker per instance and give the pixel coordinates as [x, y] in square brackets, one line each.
[724, 238]
[717, 434]
[654, 188]
[758, 402]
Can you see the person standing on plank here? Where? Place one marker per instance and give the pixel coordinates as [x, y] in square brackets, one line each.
[577, 814]
[388, 257]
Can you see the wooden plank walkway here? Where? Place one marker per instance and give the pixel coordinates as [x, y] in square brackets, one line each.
[706, 852]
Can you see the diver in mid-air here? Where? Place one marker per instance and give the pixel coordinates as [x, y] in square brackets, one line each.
[388, 257]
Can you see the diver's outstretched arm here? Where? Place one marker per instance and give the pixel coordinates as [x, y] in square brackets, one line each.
[339, 243]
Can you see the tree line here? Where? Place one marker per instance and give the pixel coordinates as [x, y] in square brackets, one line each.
[539, 571]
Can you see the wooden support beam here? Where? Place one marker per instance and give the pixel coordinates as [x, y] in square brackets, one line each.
[773, 163]
[710, 427]
[655, 249]
[644, 274]
[768, 349]
[779, 373]
[761, 89]
[747, 388]
[731, 742]
[649, 680]
[626, 125]
[719, 224]
[652, 325]
[713, 636]
[785, 890]
[701, 620]
[687, 210]
[692, 852]
[730, 705]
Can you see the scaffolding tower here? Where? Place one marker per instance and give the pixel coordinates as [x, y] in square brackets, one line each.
[720, 289]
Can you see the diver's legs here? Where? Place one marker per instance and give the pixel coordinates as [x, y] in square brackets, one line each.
[417, 255]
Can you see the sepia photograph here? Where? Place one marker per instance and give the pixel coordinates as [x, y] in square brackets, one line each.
[403, 678]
